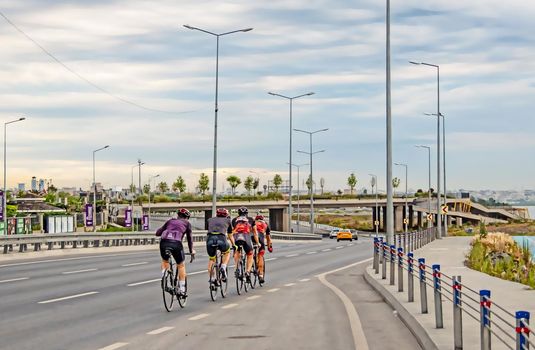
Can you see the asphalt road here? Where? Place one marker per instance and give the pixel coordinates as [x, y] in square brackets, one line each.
[113, 300]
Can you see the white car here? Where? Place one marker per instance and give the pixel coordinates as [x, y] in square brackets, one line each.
[333, 233]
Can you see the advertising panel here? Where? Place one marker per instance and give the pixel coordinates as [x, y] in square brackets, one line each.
[145, 222]
[128, 217]
[89, 214]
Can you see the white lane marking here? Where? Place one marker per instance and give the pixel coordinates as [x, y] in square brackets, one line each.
[289, 284]
[339, 247]
[15, 279]
[67, 259]
[229, 306]
[350, 244]
[292, 255]
[114, 346]
[326, 250]
[273, 290]
[78, 271]
[304, 280]
[311, 253]
[159, 279]
[359, 338]
[135, 264]
[253, 297]
[198, 317]
[66, 298]
[270, 259]
[144, 282]
[160, 330]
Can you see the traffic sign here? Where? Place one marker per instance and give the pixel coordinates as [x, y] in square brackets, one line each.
[405, 221]
[429, 216]
[376, 222]
[444, 209]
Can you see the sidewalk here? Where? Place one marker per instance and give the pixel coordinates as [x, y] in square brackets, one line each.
[450, 253]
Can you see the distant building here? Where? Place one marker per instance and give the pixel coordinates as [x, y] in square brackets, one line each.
[41, 185]
[34, 183]
[22, 187]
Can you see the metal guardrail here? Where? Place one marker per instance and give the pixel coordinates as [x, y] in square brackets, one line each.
[496, 323]
[107, 239]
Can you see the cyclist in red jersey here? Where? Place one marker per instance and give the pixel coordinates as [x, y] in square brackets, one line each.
[264, 236]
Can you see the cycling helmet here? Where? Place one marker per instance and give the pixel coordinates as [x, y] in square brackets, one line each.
[259, 217]
[243, 211]
[184, 213]
[222, 212]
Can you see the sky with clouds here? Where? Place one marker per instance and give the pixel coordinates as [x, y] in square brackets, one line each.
[139, 51]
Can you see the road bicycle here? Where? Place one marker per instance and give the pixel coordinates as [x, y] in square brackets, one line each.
[255, 273]
[241, 282]
[170, 289]
[216, 277]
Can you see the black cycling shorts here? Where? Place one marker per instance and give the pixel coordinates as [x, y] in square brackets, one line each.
[215, 242]
[261, 241]
[175, 247]
[247, 247]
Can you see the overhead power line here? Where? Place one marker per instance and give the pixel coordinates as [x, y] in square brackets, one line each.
[81, 77]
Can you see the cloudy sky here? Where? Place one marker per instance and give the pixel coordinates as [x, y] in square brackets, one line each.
[160, 78]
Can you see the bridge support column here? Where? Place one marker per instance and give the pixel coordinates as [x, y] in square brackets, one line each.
[420, 219]
[398, 218]
[459, 221]
[207, 215]
[278, 220]
[411, 217]
[383, 220]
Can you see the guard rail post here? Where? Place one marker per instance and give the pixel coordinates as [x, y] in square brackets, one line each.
[457, 314]
[405, 247]
[410, 276]
[484, 301]
[400, 269]
[376, 255]
[420, 236]
[380, 248]
[522, 330]
[409, 243]
[423, 289]
[439, 320]
[392, 264]
[385, 247]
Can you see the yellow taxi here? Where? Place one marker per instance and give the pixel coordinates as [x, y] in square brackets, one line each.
[344, 234]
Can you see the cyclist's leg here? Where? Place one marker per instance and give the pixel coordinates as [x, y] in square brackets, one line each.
[165, 258]
[178, 254]
[248, 248]
[259, 260]
[224, 247]
[211, 250]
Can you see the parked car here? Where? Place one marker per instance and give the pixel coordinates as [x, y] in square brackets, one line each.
[333, 233]
[344, 234]
[355, 234]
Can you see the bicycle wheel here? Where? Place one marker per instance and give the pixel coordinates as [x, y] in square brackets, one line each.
[254, 273]
[224, 285]
[183, 298]
[168, 290]
[239, 278]
[213, 282]
[243, 264]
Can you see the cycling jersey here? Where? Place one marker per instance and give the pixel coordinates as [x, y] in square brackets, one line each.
[175, 229]
[218, 227]
[262, 228]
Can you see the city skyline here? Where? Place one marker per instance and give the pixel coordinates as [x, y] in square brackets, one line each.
[333, 48]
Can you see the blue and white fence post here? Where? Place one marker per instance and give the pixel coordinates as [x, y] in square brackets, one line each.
[484, 301]
[380, 248]
[410, 275]
[376, 255]
[423, 289]
[522, 330]
[385, 248]
[439, 321]
[392, 264]
[457, 314]
[400, 269]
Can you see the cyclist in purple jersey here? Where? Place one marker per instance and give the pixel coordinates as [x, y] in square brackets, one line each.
[172, 233]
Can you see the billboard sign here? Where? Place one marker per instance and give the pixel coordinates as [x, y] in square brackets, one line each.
[145, 222]
[128, 217]
[89, 214]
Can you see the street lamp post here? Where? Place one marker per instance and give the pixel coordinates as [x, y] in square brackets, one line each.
[4, 204]
[298, 166]
[439, 217]
[95, 190]
[150, 179]
[139, 164]
[310, 133]
[406, 193]
[429, 177]
[374, 184]
[216, 109]
[389, 187]
[290, 160]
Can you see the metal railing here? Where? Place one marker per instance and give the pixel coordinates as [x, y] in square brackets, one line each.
[20, 243]
[496, 323]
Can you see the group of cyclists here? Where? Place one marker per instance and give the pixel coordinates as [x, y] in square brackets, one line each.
[224, 233]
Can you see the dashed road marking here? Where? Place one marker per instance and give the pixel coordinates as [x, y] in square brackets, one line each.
[289, 284]
[304, 280]
[15, 279]
[198, 317]
[339, 247]
[160, 330]
[229, 306]
[253, 297]
[350, 244]
[114, 346]
[66, 298]
[135, 264]
[273, 290]
[311, 253]
[143, 282]
[78, 271]
[292, 255]
[270, 259]
[326, 250]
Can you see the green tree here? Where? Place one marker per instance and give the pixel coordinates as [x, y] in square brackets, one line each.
[395, 183]
[309, 183]
[248, 184]
[234, 182]
[179, 185]
[256, 183]
[352, 182]
[204, 183]
[322, 184]
[146, 188]
[133, 188]
[163, 187]
[277, 182]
